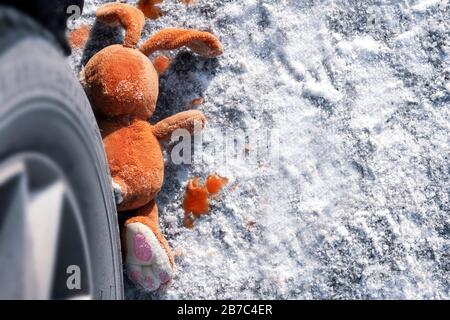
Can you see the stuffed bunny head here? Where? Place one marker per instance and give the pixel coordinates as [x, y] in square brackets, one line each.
[121, 80]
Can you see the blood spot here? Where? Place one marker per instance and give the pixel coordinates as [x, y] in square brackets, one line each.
[196, 198]
[215, 183]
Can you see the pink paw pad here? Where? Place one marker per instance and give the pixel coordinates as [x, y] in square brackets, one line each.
[149, 282]
[136, 276]
[164, 277]
[142, 249]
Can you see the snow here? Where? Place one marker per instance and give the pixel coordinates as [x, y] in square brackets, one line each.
[358, 204]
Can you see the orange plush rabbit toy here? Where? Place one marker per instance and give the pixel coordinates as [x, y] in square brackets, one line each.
[122, 84]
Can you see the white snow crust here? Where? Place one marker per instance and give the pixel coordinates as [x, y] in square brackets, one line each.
[358, 207]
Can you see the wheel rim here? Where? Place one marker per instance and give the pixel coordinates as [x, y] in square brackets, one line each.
[38, 214]
[39, 137]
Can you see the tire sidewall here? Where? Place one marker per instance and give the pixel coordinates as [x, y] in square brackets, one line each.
[32, 70]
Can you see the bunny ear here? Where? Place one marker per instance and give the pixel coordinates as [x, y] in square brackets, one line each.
[129, 17]
[201, 42]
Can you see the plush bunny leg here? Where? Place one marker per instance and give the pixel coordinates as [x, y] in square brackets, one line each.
[148, 257]
[189, 120]
[201, 42]
[129, 17]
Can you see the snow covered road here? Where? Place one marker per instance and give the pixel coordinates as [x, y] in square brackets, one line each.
[358, 206]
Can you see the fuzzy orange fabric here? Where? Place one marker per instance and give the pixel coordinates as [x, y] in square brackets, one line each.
[121, 81]
[148, 215]
[188, 1]
[135, 160]
[201, 42]
[149, 8]
[122, 84]
[78, 37]
[186, 120]
[131, 19]
[161, 64]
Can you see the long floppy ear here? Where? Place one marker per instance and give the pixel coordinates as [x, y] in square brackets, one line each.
[130, 18]
[201, 42]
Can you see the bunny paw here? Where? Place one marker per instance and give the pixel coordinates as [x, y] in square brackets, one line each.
[147, 263]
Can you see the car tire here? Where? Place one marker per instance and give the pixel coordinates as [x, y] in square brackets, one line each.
[59, 235]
